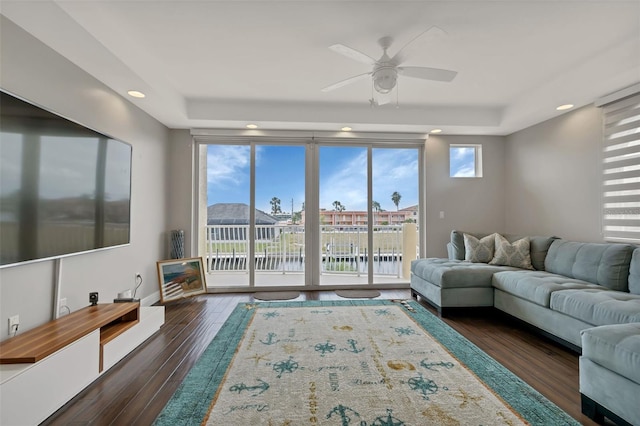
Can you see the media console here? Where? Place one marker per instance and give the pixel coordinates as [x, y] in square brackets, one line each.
[43, 368]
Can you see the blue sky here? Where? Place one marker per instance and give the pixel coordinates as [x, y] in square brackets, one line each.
[461, 161]
[280, 173]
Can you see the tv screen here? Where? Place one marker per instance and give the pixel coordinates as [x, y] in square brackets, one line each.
[64, 188]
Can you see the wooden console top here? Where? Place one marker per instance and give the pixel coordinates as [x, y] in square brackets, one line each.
[40, 342]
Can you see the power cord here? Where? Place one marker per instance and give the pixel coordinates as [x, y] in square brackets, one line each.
[65, 307]
[138, 284]
[15, 329]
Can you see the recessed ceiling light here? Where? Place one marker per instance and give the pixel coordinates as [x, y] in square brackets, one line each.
[564, 107]
[136, 94]
[252, 126]
[436, 131]
[346, 129]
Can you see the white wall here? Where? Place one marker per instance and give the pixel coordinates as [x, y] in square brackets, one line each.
[553, 174]
[469, 204]
[33, 71]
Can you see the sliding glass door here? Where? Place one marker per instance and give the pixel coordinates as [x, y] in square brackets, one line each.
[226, 249]
[279, 236]
[395, 212]
[361, 228]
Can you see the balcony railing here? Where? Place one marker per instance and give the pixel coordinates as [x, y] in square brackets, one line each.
[281, 248]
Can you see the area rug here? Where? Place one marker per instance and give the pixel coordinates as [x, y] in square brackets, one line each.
[276, 295]
[357, 362]
[358, 294]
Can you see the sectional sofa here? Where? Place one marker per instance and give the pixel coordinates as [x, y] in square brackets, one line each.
[585, 295]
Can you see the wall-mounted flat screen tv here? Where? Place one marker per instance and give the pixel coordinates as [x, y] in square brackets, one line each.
[64, 189]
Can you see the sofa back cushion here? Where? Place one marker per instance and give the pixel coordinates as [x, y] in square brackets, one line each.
[599, 263]
[634, 272]
[537, 251]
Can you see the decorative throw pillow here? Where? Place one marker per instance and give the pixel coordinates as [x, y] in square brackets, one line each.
[478, 250]
[514, 254]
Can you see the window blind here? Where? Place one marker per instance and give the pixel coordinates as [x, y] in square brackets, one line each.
[621, 170]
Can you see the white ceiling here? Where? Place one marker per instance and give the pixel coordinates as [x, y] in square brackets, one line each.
[223, 64]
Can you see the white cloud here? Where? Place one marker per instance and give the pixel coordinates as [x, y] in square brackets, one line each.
[465, 170]
[348, 184]
[393, 170]
[227, 165]
[461, 153]
[462, 161]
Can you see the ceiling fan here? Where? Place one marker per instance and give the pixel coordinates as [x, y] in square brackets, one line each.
[385, 71]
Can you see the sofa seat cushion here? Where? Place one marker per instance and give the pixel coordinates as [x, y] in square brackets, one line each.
[615, 347]
[598, 306]
[447, 273]
[536, 286]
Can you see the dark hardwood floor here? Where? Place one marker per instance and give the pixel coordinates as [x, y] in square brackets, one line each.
[135, 390]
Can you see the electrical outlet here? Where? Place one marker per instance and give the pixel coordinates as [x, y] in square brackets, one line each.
[63, 302]
[137, 278]
[14, 322]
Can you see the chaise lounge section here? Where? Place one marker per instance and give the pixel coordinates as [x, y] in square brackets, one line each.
[585, 295]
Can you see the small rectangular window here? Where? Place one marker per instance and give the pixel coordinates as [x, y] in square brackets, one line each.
[465, 160]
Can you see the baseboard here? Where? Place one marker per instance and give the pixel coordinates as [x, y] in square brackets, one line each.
[150, 299]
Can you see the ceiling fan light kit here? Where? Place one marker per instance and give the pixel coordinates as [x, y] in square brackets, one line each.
[384, 79]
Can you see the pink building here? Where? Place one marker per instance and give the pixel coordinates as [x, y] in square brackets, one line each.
[359, 217]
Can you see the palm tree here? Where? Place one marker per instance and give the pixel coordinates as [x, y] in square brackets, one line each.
[375, 206]
[395, 197]
[337, 206]
[275, 205]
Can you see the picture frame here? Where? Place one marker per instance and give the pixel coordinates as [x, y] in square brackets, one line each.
[181, 278]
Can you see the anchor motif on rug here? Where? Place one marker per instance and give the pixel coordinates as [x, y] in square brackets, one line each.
[323, 311]
[263, 386]
[353, 347]
[387, 420]
[270, 339]
[344, 413]
[431, 365]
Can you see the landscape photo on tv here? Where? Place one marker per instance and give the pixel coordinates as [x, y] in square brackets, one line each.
[64, 188]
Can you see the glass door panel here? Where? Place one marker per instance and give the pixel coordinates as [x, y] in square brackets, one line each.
[279, 232]
[395, 212]
[344, 247]
[226, 254]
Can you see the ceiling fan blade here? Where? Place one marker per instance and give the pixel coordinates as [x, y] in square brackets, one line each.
[425, 73]
[353, 54]
[433, 32]
[346, 82]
